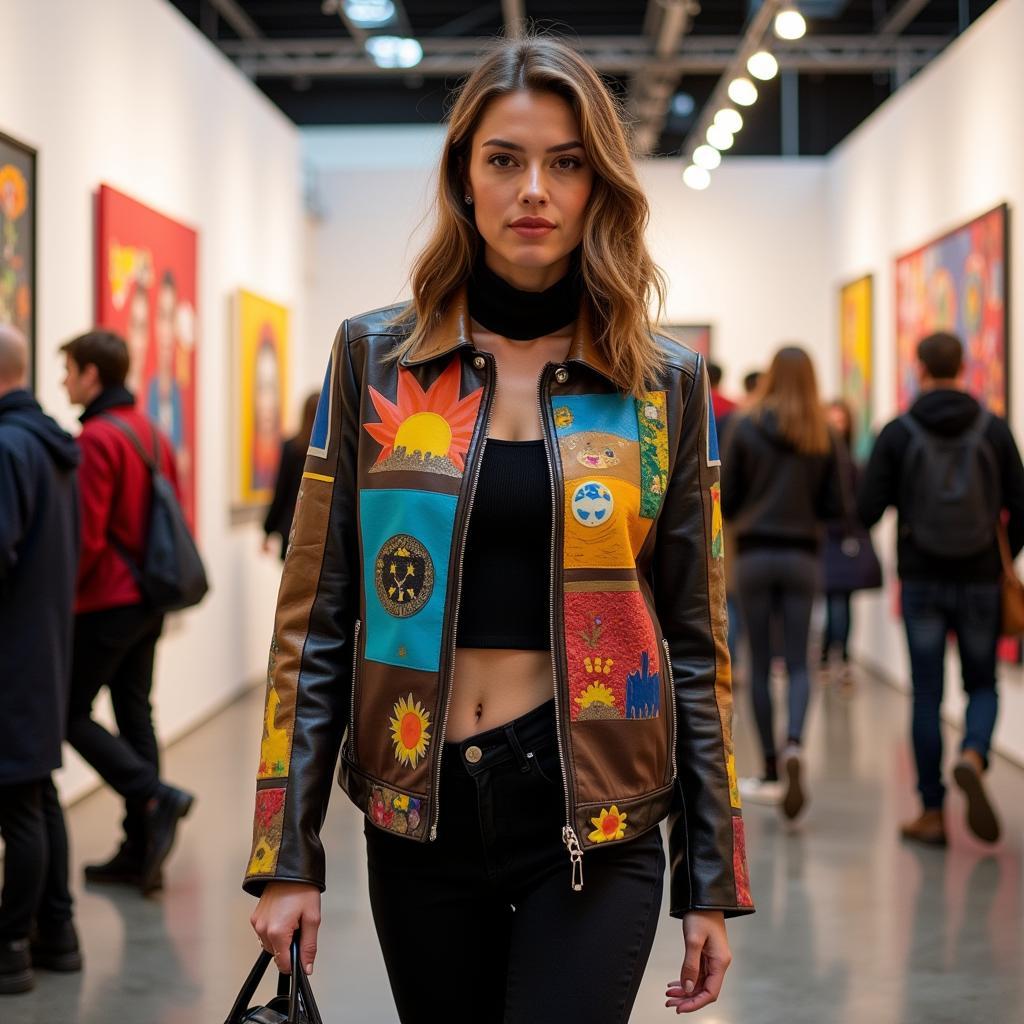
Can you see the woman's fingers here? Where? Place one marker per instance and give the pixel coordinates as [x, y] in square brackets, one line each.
[307, 941]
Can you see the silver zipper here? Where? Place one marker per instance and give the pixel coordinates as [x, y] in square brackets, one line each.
[439, 738]
[569, 836]
[672, 698]
[355, 662]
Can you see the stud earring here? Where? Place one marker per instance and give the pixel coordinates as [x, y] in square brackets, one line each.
[469, 200]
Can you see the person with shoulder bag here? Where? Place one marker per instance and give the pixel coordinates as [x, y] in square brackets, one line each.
[504, 600]
[129, 576]
[951, 469]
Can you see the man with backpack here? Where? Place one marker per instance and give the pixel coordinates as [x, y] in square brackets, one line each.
[116, 626]
[951, 469]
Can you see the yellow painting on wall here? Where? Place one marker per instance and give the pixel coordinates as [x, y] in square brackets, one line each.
[262, 346]
[855, 344]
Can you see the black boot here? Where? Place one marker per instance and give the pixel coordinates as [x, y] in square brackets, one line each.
[55, 948]
[164, 812]
[124, 868]
[15, 968]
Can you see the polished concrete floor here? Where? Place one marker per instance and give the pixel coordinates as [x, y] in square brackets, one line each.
[853, 926]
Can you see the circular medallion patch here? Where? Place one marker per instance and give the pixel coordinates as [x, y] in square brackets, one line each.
[592, 504]
[404, 574]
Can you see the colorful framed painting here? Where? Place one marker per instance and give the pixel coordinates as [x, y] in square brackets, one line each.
[856, 359]
[18, 241]
[959, 283]
[695, 336]
[262, 346]
[146, 291]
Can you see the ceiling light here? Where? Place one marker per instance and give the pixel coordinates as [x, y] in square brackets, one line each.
[696, 177]
[719, 137]
[743, 91]
[729, 119]
[683, 104]
[763, 65]
[707, 157]
[394, 51]
[369, 13]
[790, 24]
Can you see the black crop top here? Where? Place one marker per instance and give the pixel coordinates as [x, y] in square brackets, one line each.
[506, 574]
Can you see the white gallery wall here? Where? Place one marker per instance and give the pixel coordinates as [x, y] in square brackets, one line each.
[128, 93]
[946, 148]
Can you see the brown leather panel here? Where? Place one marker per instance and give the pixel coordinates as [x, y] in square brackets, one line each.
[640, 813]
[620, 756]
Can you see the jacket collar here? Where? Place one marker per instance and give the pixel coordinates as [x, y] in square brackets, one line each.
[453, 331]
[111, 398]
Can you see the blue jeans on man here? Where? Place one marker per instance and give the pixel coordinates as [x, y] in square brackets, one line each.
[931, 611]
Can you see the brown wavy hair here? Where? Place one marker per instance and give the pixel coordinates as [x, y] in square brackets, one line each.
[789, 390]
[620, 279]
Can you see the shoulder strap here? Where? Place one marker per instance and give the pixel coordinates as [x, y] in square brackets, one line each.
[915, 428]
[980, 424]
[151, 461]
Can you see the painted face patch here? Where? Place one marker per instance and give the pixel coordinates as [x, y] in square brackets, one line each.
[404, 575]
[652, 424]
[611, 652]
[425, 431]
[406, 539]
[410, 730]
[592, 504]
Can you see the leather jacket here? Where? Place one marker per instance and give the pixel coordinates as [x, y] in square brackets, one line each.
[364, 638]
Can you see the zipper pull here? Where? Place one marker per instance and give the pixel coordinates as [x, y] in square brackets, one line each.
[572, 844]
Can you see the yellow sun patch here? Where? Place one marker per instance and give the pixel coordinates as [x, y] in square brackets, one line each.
[410, 730]
[596, 693]
[610, 824]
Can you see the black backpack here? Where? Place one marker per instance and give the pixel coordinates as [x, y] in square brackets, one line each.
[950, 491]
[171, 576]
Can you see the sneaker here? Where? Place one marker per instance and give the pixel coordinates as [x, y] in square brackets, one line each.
[166, 810]
[795, 798]
[15, 968]
[929, 829]
[981, 815]
[56, 948]
[761, 791]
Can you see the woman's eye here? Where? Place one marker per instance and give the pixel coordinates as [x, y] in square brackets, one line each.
[568, 163]
[501, 160]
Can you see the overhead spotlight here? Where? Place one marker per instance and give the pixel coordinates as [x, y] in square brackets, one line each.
[683, 104]
[719, 137]
[729, 119]
[790, 24]
[707, 157]
[763, 65]
[696, 177]
[394, 51]
[370, 13]
[743, 91]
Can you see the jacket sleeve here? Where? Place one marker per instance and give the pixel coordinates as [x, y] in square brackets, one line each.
[1012, 481]
[16, 509]
[708, 868]
[309, 675]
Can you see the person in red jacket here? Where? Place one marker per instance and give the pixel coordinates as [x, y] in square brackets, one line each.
[115, 631]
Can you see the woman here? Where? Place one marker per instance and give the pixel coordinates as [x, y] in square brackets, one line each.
[779, 483]
[512, 494]
[289, 478]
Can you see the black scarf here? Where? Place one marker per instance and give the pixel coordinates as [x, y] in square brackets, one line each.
[522, 316]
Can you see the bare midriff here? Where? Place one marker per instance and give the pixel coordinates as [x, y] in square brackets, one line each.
[493, 686]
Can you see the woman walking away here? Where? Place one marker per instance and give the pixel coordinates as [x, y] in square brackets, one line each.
[505, 594]
[779, 484]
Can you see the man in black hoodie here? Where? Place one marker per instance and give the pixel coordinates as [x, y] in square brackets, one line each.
[948, 461]
[38, 560]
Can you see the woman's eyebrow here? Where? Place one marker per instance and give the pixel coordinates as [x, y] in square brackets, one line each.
[505, 144]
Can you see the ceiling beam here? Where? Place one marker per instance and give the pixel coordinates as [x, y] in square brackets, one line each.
[900, 17]
[231, 11]
[514, 15]
[665, 24]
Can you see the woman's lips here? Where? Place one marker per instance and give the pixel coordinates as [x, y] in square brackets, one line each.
[532, 227]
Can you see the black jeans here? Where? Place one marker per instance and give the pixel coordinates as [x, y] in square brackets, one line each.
[482, 925]
[115, 648]
[931, 611]
[777, 582]
[35, 859]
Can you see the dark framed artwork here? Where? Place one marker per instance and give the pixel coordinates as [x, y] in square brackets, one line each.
[695, 336]
[18, 241]
[959, 282]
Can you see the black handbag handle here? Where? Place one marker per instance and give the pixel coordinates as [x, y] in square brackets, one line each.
[295, 985]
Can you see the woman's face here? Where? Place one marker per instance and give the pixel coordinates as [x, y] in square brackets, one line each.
[838, 420]
[530, 181]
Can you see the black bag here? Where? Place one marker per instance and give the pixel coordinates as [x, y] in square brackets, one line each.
[293, 1004]
[849, 559]
[171, 576]
[950, 497]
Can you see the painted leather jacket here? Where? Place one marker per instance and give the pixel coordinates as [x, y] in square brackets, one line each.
[364, 638]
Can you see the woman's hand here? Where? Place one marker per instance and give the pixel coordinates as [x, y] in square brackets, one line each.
[284, 908]
[706, 959]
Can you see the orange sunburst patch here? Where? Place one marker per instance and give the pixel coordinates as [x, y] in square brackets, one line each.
[425, 431]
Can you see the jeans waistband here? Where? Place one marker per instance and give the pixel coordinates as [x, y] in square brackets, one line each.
[513, 741]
